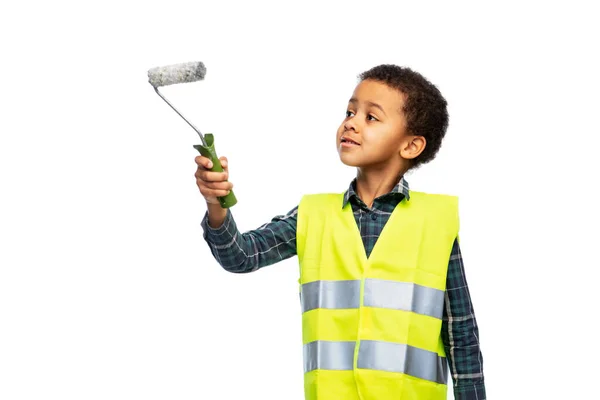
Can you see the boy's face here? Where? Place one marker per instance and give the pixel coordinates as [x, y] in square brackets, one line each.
[374, 130]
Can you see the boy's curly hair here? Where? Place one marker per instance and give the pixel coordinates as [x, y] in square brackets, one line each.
[424, 106]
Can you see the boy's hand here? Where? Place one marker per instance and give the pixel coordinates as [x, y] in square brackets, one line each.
[212, 184]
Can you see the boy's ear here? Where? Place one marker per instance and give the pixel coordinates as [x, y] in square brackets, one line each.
[412, 147]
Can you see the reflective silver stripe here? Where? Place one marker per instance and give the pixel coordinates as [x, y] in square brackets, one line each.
[378, 293]
[328, 355]
[376, 355]
[404, 296]
[330, 294]
[395, 357]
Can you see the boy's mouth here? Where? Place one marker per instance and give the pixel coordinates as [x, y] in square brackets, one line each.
[349, 142]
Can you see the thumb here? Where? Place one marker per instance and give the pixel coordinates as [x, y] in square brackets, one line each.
[224, 163]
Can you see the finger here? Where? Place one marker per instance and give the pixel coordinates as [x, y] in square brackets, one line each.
[213, 192]
[219, 185]
[203, 162]
[224, 162]
[210, 176]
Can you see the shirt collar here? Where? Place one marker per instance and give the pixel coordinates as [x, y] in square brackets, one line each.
[400, 188]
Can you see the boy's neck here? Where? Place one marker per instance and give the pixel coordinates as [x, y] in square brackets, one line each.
[370, 184]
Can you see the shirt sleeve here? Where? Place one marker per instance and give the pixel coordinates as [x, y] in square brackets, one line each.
[460, 333]
[246, 252]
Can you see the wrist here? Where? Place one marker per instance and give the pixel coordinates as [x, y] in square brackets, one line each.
[216, 215]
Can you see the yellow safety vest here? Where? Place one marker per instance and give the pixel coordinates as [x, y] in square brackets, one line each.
[371, 327]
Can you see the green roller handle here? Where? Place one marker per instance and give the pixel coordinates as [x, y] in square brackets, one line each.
[209, 151]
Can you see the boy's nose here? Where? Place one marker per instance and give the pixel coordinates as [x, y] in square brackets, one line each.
[350, 124]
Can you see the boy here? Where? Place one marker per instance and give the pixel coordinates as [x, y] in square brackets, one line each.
[384, 311]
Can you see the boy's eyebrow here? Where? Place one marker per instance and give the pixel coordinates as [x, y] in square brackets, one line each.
[369, 103]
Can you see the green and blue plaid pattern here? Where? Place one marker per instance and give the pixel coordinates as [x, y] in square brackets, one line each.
[275, 241]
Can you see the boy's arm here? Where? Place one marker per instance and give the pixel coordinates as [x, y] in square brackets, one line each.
[246, 252]
[460, 333]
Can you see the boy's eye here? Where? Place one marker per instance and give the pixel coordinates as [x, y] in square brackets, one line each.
[349, 114]
[372, 118]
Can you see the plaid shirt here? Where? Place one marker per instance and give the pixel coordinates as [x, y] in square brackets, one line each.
[276, 241]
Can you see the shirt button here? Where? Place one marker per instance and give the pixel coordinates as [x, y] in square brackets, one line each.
[373, 216]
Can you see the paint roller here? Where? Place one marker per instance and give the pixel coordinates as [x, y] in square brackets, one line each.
[187, 73]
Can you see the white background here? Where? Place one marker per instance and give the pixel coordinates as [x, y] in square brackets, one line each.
[107, 289]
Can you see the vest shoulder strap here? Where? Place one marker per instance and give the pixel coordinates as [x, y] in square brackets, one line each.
[314, 205]
[443, 206]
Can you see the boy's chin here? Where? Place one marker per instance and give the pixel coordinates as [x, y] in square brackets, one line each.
[350, 162]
